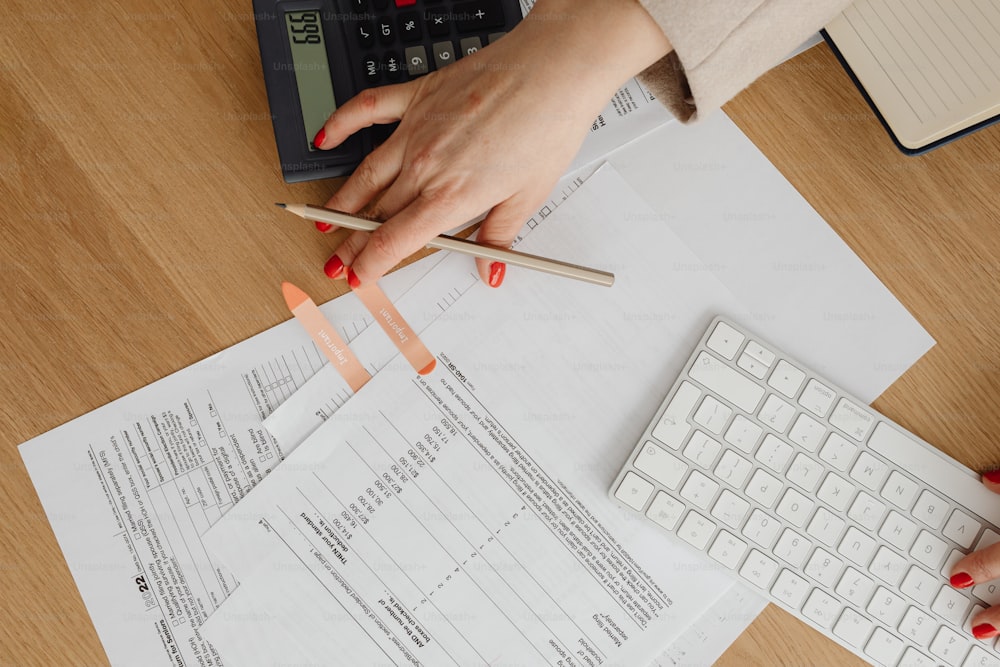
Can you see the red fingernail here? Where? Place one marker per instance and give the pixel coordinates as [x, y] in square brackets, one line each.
[961, 580]
[352, 279]
[984, 631]
[333, 267]
[323, 226]
[497, 272]
[992, 476]
[320, 137]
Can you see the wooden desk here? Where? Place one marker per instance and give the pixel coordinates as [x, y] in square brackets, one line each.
[136, 159]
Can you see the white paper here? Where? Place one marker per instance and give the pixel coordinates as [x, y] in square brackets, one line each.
[475, 498]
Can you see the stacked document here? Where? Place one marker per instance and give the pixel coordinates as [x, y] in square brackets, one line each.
[461, 516]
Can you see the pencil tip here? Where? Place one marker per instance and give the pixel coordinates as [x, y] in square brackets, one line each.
[279, 205]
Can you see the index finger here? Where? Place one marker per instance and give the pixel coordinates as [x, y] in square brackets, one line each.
[371, 106]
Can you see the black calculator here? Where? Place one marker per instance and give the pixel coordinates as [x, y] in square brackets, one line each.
[318, 53]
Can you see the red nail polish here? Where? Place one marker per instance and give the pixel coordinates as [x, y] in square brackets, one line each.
[320, 137]
[497, 271]
[323, 226]
[352, 279]
[333, 267]
[984, 631]
[961, 580]
[992, 476]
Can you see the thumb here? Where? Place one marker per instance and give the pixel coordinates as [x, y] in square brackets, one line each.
[500, 229]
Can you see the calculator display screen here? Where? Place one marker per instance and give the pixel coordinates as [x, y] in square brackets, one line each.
[312, 70]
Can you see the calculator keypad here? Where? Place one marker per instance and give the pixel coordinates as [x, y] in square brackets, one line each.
[406, 39]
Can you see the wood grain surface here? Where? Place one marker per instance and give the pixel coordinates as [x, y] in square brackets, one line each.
[137, 171]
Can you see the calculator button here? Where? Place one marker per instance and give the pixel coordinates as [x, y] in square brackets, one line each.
[444, 54]
[405, 3]
[365, 31]
[392, 66]
[380, 5]
[494, 36]
[359, 5]
[416, 60]
[437, 23]
[408, 24]
[386, 33]
[470, 45]
[371, 69]
[480, 15]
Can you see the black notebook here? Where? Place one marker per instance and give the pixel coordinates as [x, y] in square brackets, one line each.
[929, 68]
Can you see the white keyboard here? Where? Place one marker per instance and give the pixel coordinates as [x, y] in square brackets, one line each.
[824, 505]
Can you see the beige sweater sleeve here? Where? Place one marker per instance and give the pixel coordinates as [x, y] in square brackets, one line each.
[721, 46]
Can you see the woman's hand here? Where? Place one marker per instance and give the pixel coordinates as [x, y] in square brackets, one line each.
[979, 567]
[491, 133]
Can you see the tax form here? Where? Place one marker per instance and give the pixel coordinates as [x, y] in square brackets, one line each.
[461, 517]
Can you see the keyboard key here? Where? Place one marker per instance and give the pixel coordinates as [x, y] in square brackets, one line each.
[836, 492]
[661, 465]
[930, 509]
[951, 605]
[914, 658]
[792, 548]
[722, 380]
[730, 509]
[469, 45]
[949, 563]
[884, 647]
[950, 646]
[821, 608]
[665, 510]
[929, 550]
[804, 473]
[825, 527]
[988, 592]
[776, 413]
[478, 16]
[672, 427]
[634, 491]
[416, 60]
[758, 569]
[774, 453]
[866, 510]
[838, 451]
[790, 589]
[760, 353]
[980, 657]
[886, 606]
[795, 508]
[900, 490]
[852, 419]
[870, 471]
[761, 528]
[699, 490]
[763, 488]
[853, 628]
[888, 566]
[855, 587]
[733, 469]
[817, 398]
[962, 528]
[824, 568]
[696, 530]
[920, 586]
[444, 54]
[728, 549]
[807, 433]
[713, 415]
[743, 433]
[918, 627]
[967, 626]
[987, 539]
[752, 365]
[725, 340]
[786, 379]
[857, 546]
[702, 449]
[898, 531]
